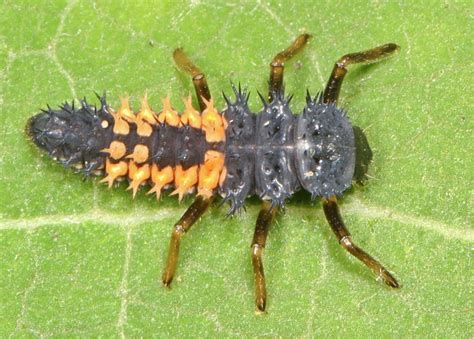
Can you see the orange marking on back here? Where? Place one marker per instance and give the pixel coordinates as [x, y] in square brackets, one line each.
[212, 123]
[114, 171]
[160, 178]
[144, 129]
[190, 115]
[138, 175]
[140, 154]
[145, 118]
[210, 172]
[120, 125]
[168, 114]
[146, 113]
[125, 111]
[184, 180]
[122, 117]
[117, 150]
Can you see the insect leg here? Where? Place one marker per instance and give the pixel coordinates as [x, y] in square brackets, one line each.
[189, 217]
[199, 79]
[331, 92]
[264, 220]
[331, 210]
[277, 66]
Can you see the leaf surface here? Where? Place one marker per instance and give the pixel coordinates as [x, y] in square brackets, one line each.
[78, 259]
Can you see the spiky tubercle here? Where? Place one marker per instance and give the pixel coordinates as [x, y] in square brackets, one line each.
[259, 158]
[239, 181]
[74, 135]
[275, 172]
[325, 148]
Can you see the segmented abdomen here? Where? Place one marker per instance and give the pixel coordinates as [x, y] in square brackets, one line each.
[161, 149]
[167, 149]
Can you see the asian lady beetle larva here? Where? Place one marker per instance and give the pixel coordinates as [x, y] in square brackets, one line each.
[234, 153]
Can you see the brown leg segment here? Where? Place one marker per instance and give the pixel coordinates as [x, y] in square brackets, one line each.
[264, 220]
[277, 66]
[199, 79]
[331, 210]
[189, 217]
[333, 87]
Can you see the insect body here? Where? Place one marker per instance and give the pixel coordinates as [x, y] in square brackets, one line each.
[234, 153]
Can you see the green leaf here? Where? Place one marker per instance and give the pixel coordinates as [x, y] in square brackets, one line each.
[78, 259]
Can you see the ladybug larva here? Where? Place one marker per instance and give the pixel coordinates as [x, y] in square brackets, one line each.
[233, 152]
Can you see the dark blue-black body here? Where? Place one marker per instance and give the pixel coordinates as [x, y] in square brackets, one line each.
[274, 153]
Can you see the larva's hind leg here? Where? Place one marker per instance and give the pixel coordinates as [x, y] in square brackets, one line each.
[192, 214]
[331, 210]
[277, 66]
[199, 79]
[264, 220]
[333, 87]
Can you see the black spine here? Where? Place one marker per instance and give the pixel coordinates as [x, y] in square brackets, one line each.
[239, 151]
[73, 135]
